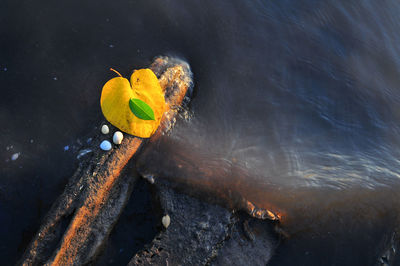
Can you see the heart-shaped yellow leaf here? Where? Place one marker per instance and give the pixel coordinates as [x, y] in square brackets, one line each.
[116, 95]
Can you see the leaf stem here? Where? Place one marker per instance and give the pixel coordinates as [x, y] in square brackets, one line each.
[112, 69]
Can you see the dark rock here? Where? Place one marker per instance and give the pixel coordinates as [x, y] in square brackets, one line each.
[206, 234]
[192, 237]
[252, 242]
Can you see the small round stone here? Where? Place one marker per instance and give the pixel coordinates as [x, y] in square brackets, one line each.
[166, 220]
[117, 138]
[105, 129]
[15, 156]
[105, 145]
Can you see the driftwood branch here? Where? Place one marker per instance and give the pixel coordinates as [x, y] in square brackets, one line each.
[80, 220]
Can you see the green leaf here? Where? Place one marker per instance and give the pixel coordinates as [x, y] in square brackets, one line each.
[141, 109]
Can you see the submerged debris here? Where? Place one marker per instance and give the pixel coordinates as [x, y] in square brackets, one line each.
[83, 153]
[15, 156]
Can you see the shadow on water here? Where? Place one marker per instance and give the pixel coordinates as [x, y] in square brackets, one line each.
[295, 109]
[138, 225]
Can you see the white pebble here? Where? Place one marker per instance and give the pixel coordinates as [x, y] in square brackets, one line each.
[166, 220]
[105, 129]
[15, 156]
[117, 138]
[105, 145]
[149, 178]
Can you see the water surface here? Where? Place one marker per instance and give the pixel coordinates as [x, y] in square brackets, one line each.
[295, 108]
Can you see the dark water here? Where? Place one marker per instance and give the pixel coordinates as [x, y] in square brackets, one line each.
[295, 109]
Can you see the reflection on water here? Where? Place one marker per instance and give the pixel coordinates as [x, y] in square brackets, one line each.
[295, 109]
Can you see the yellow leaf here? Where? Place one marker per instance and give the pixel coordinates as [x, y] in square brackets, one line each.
[115, 98]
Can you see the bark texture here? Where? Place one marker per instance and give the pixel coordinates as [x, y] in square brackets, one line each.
[80, 220]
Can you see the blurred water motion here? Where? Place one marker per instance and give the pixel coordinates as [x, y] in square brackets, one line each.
[295, 109]
[304, 98]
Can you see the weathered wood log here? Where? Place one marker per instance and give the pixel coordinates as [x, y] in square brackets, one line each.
[80, 220]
